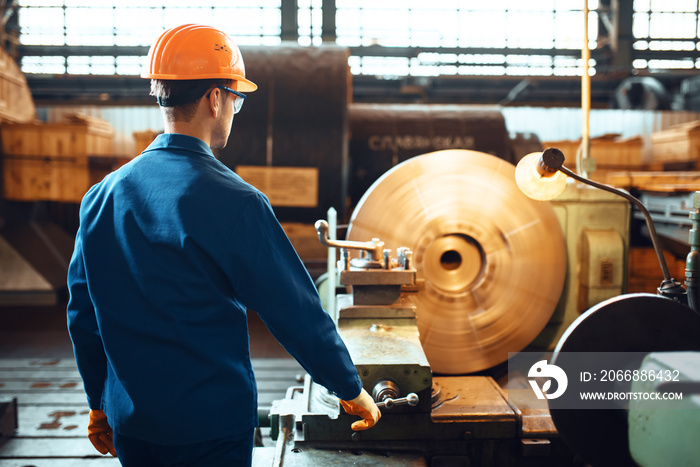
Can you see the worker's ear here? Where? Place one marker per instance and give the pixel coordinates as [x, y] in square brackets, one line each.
[214, 102]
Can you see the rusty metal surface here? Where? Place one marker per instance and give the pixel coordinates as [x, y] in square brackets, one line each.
[53, 413]
[535, 418]
[474, 398]
[384, 343]
[492, 261]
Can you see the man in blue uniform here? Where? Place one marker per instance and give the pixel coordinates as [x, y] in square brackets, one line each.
[172, 249]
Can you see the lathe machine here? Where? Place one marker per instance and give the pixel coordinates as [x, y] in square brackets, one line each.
[449, 270]
[429, 322]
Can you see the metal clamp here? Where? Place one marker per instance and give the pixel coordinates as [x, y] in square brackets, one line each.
[374, 249]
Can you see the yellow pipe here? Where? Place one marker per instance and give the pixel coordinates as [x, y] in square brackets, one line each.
[585, 93]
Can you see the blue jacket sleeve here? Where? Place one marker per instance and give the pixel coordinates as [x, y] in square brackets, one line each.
[83, 330]
[269, 278]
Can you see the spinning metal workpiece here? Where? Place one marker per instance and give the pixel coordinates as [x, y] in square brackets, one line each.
[490, 262]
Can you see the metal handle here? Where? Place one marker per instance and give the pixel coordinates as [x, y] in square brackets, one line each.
[374, 249]
[388, 403]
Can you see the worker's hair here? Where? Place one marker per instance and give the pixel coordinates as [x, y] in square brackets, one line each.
[180, 98]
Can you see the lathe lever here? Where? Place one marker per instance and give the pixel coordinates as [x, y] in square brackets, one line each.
[374, 249]
[388, 403]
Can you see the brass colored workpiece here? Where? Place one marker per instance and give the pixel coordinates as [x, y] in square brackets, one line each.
[491, 262]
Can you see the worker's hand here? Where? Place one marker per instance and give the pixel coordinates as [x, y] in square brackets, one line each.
[100, 433]
[364, 406]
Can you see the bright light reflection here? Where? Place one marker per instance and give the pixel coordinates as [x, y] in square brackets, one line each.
[497, 24]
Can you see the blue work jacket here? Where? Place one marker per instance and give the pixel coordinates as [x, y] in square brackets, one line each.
[172, 248]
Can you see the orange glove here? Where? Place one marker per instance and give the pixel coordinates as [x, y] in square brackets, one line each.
[100, 433]
[364, 406]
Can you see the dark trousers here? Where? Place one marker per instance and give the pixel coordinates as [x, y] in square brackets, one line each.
[226, 452]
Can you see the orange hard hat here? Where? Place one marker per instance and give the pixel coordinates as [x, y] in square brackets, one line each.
[194, 51]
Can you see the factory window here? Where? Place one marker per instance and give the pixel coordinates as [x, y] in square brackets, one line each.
[119, 23]
[499, 37]
[663, 30]
[387, 39]
[454, 23]
[310, 21]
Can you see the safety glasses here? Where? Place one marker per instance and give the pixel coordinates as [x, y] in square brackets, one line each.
[238, 102]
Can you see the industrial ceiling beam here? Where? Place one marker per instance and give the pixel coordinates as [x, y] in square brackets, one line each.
[553, 91]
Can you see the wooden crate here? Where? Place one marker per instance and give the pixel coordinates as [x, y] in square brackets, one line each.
[657, 181]
[69, 140]
[603, 175]
[45, 178]
[568, 147]
[16, 103]
[50, 161]
[617, 152]
[679, 143]
[609, 151]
